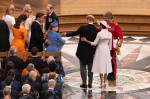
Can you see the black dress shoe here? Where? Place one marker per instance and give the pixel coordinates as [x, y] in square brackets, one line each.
[90, 86]
[111, 78]
[83, 86]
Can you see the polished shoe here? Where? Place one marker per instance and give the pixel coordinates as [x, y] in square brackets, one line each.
[111, 79]
[83, 86]
[90, 86]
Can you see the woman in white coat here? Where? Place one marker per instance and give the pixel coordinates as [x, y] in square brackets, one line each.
[28, 12]
[10, 20]
[102, 59]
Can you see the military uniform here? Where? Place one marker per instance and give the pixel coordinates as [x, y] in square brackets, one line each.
[117, 39]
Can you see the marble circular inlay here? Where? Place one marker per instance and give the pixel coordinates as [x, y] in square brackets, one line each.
[127, 80]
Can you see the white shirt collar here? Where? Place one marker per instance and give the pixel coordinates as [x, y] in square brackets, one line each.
[51, 13]
[90, 23]
[51, 88]
[38, 22]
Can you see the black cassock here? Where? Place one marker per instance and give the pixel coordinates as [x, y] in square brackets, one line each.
[4, 36]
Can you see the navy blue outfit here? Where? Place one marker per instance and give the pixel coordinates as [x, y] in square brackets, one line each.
[15, 86]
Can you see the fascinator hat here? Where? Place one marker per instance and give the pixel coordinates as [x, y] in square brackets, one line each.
[103, 22]
[55, 24]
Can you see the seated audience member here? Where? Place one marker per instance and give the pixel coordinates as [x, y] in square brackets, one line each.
[26, 77]
[8, 71]
[26, 89]
[19, 64]
[52, 68]
[33, 93]
[39, 63]
[14, 93]
[15, 84]
[29, 68]
[51, 93]
[36, 84]
[51, 59]
[48, 60]
[58, 86]
[6, 93]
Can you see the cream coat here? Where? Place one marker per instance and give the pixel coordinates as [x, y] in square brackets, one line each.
[102, 59]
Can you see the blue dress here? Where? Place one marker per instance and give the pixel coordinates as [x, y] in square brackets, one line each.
[56, 42]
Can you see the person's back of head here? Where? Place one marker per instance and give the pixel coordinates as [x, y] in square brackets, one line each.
[52, 75]
[9, 81]
[52, 66]
[49, 59]
[13, 51]
[30, 67]
[32, 75]
[30, 60]
[11, 73]
[7, 92]
[26, 89]
[34, 51]
[90, 18]
[51, 83]
[9, 65]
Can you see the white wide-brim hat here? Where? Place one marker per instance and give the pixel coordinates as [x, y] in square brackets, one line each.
[104, 23]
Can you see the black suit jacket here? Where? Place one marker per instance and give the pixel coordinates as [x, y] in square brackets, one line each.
[58, 87]
[26, 77]
[19, 64]
[36, 39]
[4, 36]
[85, 51]
[53, 18]
[39, 63]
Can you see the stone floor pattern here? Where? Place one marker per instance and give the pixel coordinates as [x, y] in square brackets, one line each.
[133, 72]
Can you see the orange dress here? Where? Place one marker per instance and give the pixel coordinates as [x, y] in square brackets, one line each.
[18, 40]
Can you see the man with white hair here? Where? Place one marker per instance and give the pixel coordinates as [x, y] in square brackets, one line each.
[36, 84]
[26, 88]
[51, 93]
[51, 16]
[19, 64]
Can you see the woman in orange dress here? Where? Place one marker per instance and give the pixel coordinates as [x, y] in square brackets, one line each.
[20, 34]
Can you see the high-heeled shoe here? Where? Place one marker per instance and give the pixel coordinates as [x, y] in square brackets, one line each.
[101, 85]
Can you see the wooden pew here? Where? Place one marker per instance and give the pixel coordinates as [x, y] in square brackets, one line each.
[3, 55]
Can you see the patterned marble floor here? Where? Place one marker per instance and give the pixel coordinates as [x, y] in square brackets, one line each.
[133, 72]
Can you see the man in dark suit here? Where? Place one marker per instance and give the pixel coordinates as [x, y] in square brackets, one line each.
[37, 39]
[36, 85]
[15, 85]
[26, 77]
[50, 93]
[51, 16]
[13, 94]
[19, 64]
[26, 89]
[39, 63]
[85, 51]
[4, 37]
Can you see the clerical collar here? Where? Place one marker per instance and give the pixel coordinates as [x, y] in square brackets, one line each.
[38, 22]
[51, 13]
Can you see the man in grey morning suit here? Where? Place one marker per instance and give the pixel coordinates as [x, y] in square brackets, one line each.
[85, 51]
